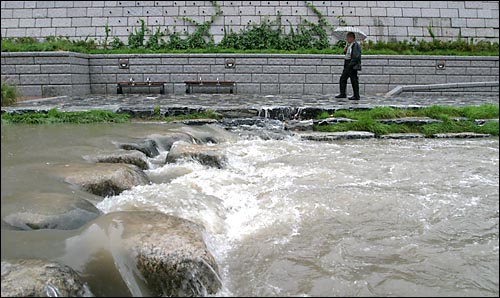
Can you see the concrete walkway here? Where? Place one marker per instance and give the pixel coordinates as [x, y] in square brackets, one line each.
[238, 105]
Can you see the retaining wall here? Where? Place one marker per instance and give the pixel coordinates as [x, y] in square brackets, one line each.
[381, 20]
[63, 73]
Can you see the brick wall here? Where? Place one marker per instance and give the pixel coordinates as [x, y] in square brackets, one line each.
[77, 74]
[382, 20]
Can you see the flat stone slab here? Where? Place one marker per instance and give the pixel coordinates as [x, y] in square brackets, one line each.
[410, 120]
[484, 121]
[333, 120]
[403, 136]
[334, 136]
[195, 121]
[461, 135]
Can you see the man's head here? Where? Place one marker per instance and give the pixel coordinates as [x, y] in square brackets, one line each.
[350, 37]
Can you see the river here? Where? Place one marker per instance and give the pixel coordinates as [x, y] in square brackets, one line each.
[287, 217]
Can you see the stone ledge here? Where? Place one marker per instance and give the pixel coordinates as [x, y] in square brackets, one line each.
[334, 136]
[401, 136]
[460, 135]
[410, 120]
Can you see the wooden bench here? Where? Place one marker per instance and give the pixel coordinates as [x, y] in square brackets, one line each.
[191, 84]
[120, 85]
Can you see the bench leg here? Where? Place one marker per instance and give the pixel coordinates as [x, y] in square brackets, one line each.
[162, 89]
[188, 89]
[119, 90]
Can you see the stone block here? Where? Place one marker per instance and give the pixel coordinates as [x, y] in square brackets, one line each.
[32, 79]
[22, 13]
[86, 31]
[79, 79]
[485, 71]
[248, 68]
[430, 79]
[374, 79]
[22, 69]
[247, 88]
[407, 79]
[475, 23]
[56, 68]
[77, 12]
[319, 78]
[19, 60]
[60, 79]
[103, 78]
[313, 88]
[412, 12]
[169, 69]
[378, 12]
[61, 22]
[57, 90]
[8, 69]
[403, 21]
[40, 13]
[292, 78]
[201, 69]
[144, 69]
[265, 78]
[269, 89]
[16, 32]
[291, 89]
[238, 78]
[29, 90]
[66, 31]
[448, 12]
[323, 69]
[16, 4]
[302, 69]
[275, 69]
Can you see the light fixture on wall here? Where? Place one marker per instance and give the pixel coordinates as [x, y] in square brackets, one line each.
[230, 63]
[123, 63]
[440, 64]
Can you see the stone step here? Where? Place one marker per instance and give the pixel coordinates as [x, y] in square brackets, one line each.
[410, 120]
[484, 121]
[333, 120]
[402, 136]
[461, 135]
[333, 136]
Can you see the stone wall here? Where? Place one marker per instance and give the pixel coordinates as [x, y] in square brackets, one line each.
[47, 73]
[382, 20]
[63, 73]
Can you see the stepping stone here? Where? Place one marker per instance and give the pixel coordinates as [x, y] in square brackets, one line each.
[296, 125]
[403, 136]
[333, 136]
[461, 135]
[484, 121]
[333, 120]
[410, 120]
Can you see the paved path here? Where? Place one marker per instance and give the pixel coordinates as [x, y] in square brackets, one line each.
[246, 104]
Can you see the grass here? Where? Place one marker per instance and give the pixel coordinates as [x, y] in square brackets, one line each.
[9, 94]
[58, 44]
[436, 112]
[367, 120]
[54, 116]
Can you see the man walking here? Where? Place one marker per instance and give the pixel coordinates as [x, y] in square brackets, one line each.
[352, 64]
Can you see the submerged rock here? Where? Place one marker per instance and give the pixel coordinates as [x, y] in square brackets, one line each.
[103, 179]
[147, 147]
[33, 211]
[165, 141]
[296, 125]
[206, 155]
[333, 136]
[136, 158]
[461, 135]
[40, 278]
[169, 253]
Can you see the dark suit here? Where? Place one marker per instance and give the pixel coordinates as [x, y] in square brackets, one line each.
[349, 72]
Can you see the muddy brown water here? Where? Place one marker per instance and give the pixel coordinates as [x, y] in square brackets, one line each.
[285, 217]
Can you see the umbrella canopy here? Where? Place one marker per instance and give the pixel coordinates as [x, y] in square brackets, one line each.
[341, 33]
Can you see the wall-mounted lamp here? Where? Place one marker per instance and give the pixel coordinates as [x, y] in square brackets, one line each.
[440, 64]
[123, 63]
[230, 63]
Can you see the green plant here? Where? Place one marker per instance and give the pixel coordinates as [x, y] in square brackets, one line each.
[9, 94]
[54, 116]
[106, 32]
[157, 111]
[136, 38]
[116, 43]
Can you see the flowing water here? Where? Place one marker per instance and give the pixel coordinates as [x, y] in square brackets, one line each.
[288, 217]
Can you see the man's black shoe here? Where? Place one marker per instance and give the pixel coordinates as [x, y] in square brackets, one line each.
[354, 98]
[341, 96]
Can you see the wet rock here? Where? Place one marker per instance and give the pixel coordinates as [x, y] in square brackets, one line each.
[103, 179]
[136, 158]
[33, 211]
[147, 147]
[238, 113]
[198, 122]
[169, 252]
[333, 136]
[333, 120]
[410, 121]
[484, 121]
[165, 141]
[461, 135]
[40, 278]
[206, 155]
[296, 125]
[403, 136]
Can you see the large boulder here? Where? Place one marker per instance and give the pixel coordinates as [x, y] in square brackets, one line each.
[169, 252]
[206, 155]
[136, 158]
[103, 179]
[33, 211]
[40, 278]
[148, 147]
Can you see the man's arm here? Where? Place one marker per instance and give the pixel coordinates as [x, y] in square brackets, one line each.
[355, 55]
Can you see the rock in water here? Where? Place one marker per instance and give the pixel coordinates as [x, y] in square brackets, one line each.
[165, 141]
[104, 179]
[169, 252]
[147, 147]
[33, 211]
[206, 155]
[136, 158]
[40, 278]
[296, 125]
